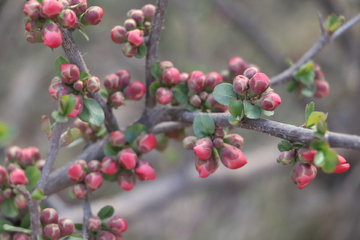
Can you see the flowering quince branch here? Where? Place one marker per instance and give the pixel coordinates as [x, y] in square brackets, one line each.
[87, 215]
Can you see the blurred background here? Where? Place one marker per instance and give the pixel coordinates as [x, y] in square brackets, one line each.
[258, 201]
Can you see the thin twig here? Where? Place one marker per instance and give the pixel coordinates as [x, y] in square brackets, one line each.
[325, 39]
[86, 216]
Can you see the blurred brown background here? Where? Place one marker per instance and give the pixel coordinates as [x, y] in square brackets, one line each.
[258, 201]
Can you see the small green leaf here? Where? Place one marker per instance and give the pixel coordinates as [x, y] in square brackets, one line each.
[309, 109]
[33, 175]
[59, 117]
[284, 145]
[76, 235]
[134, 131]
[319, 145]
[191, 107]
[141, 52]
[11, 228]
[236, 108]
[25, 221]
[2, 223]
[75, 142]
[110, 150]
[180, 92]
[83, 76]
[78, 226]
[203, 125]
[106, 212]
[71, 193]
[251, 111]
[331, 159]
[314, 118]
[321, 127]
[67, 104]
[223, 93]
[92, 112]
[319, 159]
[292, 86]
[267, 113]
[307, 92]
[153, 88]
[155, 70]
[38, 194]
[8, 207]
[60, 60]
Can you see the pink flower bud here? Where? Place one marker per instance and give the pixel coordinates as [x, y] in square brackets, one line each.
[144, 170]
[33, 37]
[3, 174]
[80, 191]
[54, 88]
[232, 157]
[135, 90]
[259, 83]
[128, 14]
[52, 35]
[117, 224]
[171, 76]
[146, 143]
[117, 138]
[195, 100]
[286, 158]
[118, 34]
[211, 103]
[302, 174]
[94, 166]
[76, 24]
[183, 77]
[93, 181]
[220, 133]
[78, 108]
[76, 173]
[129, 51]
[218, 142]
[52, 231]
[17, 177]
[78, 85]
[65, 3]
[14, 153]
[48, 216]
[92, 16]
[67, 18]
[35, 152]
[164, 65]
[94, 224]
[322, 88]
[7, 236]
[81, 163]
[306, 155]
[28, 158]
[93, 84]
[66, 227]
[8, 193]
[250, 72]
[149, 12]
[20, 201]
[196, 81]
[20, 236]
[51, 9]
[80, 124]
[318, 73]
[31, 25]
[130, 24]
[126, 180]
[236, 66]
[207, 166]
[13, 166]
[225, 74]
[31, 9]
[40, 164]
[106, 236]
[270, 101]
[342, 166]
[203, 148]
[127, 158]
[138, 16]
[241, 84]
[163, 95]
[213, 79]
[81, 8]
[135, 38]
[117, 99]
[124, 77]
[189, 142]
[109, 165]
[203, 96]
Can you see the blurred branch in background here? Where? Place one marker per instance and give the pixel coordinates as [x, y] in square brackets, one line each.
[2, 3]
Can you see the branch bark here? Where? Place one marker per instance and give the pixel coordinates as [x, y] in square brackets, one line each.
[86, 216]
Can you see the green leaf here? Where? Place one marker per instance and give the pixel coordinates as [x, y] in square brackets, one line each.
[134, 131]
[155, 70]
[67, 104]
[203, 125]
[59, 117]
[314, 118]
[191, 107]
[180, 92]
[101, 132]
[110, 150]
[319, 145]
[321, 127]
[71, 193]
[38, 194]
[309, 109]
[141, 52]
[45, 124]
[284, 145]
[292, 86]
[223, 93]
[25, 221]
[103, 93]
[236, 108]
[251, 111]
[60, 60]
[319, 159]
[33, 175]
[76, 142]
[153, 88]
[39, 237]
[106, 212]
[84, 34]
[307, 92]
[11, 228]
[8, 207]
[78, 226]
[2, 223]
[92, 112]
[267, 113]
[331, 159]
[76, 235]
[83, 76]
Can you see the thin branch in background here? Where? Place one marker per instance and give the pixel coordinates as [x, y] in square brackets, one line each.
[325, 39]
[86, 216]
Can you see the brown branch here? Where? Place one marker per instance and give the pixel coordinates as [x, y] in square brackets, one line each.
[86, 216]
[151, 45]
[325, 39]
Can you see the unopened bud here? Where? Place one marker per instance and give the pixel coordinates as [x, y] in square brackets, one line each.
[207, 166]
[195, 100]
[126, 180]
[8, 192]
[189, 142]
[93, 181]
[232, 157]
[138, 16]
[286, 158]
[20, 236]
[106, 236]
[203, 96]
[18, 177]
[67, 18]
[80, 191]
[50, 9]
[250, 72]
[237, 66]
[118, 34]
[241, 84]
[81, 8]
[183, 77]
[52, 231]
[164, 65]
[66, 227]
[117, 224]
[212, 80]
[48, 216]
[124, 77]
[78, 85]
[196, 81]
[163, 95]
[135, 38]
[93, 84]
[218, 142]
[129, 51]
[220, 133]
[40, 164]
[76, 173]
[69, 73]
[14, 153]
[144, 170]
[109, 166]
[20, 201]
[117, 138]
[130, 24]
[117, 99]
[135, 90]
[127, 158]
[203, 148]
[94, 166]
[342, 166]
[92, 16]
[211, 103]
[259, 83]
[149, 12]
[171, 76]
[32, 9]
[322, 88]
[94, 224]
[302, 174]
[306, 155]
[146, 143]
[52, 35]
[3, 174]
[270, 101]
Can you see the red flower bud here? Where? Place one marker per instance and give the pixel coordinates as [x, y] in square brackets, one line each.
[20, 201]
[183, 77]
[31, 25]
[3, 174]
[81, 8]
[76, 173]
[117, 99]
[149, 12]
[221, 133]
[106, 236]
[213, 79]
[124, 77]
[270, 101]
[14, 153]
[286, 158]
[203, 96]
[35, 152]
[318, 73]
[302, 174]
[135, 38]
[211, 103]
[126, 180]
[52, 231]
[127, 158]
[241, 84]
[171, 76]
[129, 51]
[40, 164]
[218, 142]
[66, 227]
[342, 166]
[80, 124]
[232, 157]
[146, 143]
[189, 142]
[207, 166]
[237, 66]
[65, 3]
[135, 90]
[259, 83]
[33, 37]
[306, 155]
[163, 95]
[203, 148]
[93, 84]
[20, 236]
[7, 236]
[94, 224]
[164, 65]
[67, 18]
[78, 85]
[78, 108]
[54, 88]
[50, 9]
[28, 158]
[32, 9]
[48, 216]
[93, 181]
[196, 81]
[8, 193]
[130, 24]
[117, 224]
[144, 170]
[94, 166]
[322, 88]
[52, 35]
[92, 16]
[81, 162]
[250, 72]
[118, 34]
[13, 166]
[80, 191]
[195, 100]
[109, 165]
[17, 177]
[117, 138]
[138, 16]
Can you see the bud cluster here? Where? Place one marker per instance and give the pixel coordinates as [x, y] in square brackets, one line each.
[119, 88]
[90, 132]
[115, 225]
[136, 27]
[43, 19]
[236, 66]
[220, 146]
[53, 227]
